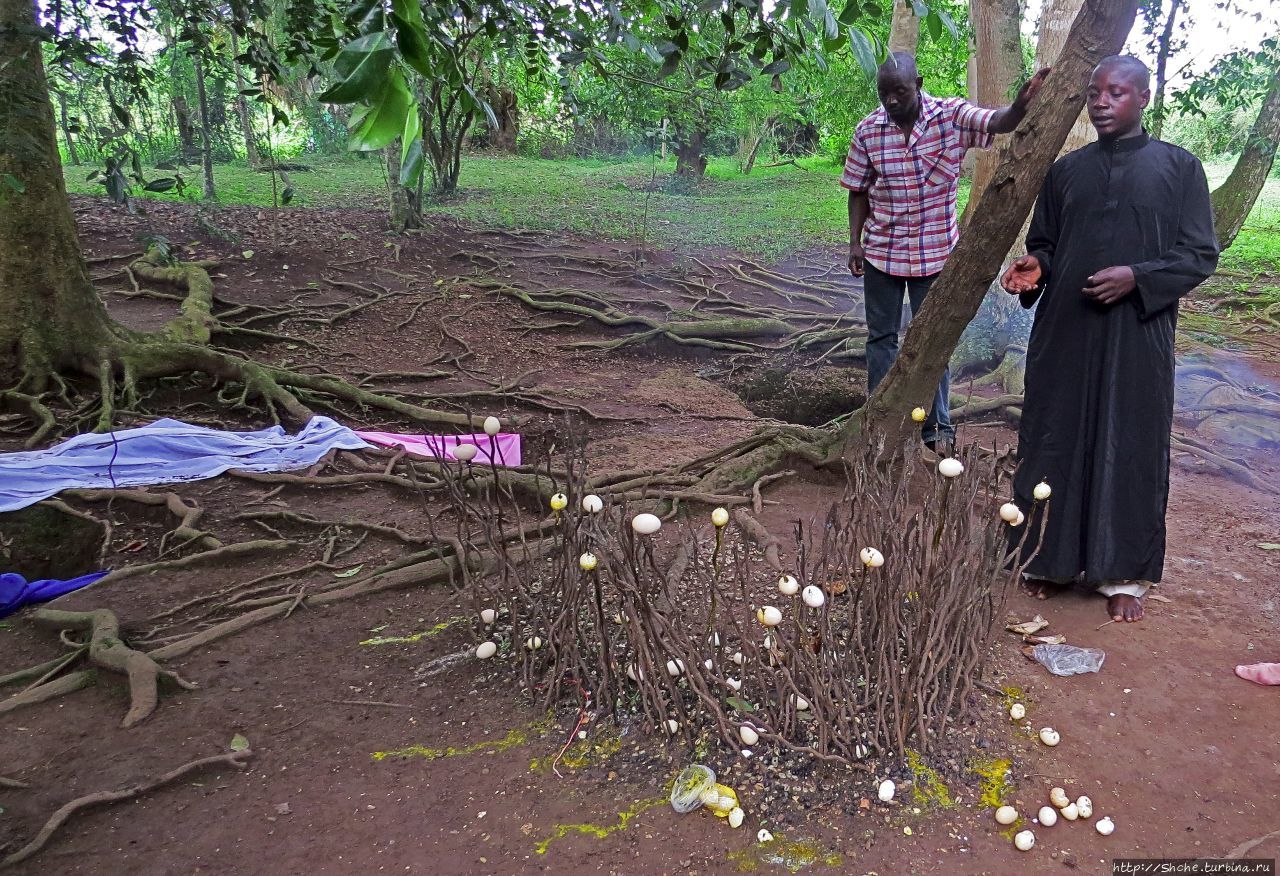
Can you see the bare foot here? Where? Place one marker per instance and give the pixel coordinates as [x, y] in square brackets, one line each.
[1123, 607]
[1042, 589]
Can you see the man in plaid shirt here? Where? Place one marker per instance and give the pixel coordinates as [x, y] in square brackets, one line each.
[901, 173]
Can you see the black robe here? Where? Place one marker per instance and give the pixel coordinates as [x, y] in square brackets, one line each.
[1099, 390]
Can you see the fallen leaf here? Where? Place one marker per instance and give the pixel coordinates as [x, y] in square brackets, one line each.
[1158, 598]
[354, 570]
[1045, 640]
[835, 588]
[740, 705]
[1027, 628]
[239, 743]
[1269, 546]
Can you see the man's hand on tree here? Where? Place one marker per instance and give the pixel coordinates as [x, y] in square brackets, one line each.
[857, 259]
[1110, 285]
[1023, 275]
[1030, 88]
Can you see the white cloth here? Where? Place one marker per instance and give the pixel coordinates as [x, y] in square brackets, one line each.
[1106, 588]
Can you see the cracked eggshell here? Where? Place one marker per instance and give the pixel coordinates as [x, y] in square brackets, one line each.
[559, 502]
[1017, 712]
[813, 597]
[736, 817]
[720, 518]
[1049, 736]
[675, 668]
[1058, 797]
[1070, 812]
[533, 643]
[734, 683]
[1085, 805]
[1105, 826]
[871, 557]
[1009, 512]
[1042, 491]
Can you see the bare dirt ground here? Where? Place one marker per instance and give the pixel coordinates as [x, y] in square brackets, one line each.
[1183, 755]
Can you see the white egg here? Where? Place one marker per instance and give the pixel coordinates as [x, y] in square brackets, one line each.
[1058, 797]
[672, 725]
[592, 504]
[1048, 816]
[675, 667]
[801, 703]
[1042, 491]
[1024, 841]
[886, 790]
[646, 524]
[769, 616]
[1049, 736]
[1017, 711]
[734, 683]
[739, 659]
[492, 425]
[871, 557]
[748, 734]
[720, 517]
[533, 643]
[1105, 826]
[465, 452]
[736, 817]
[486, 650]
[813, 596]
[859, 751]
[587, 562]
[1085, 805]
[764, 836]
[559, 502]
[1071, 812]
[634, 674]
[1022, 518]
[1009, 512]
[1006, 815]
[950, 467]
[788, 585]
[488, 615]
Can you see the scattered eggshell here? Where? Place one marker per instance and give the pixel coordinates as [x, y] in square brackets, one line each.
[1042, 491]
[886, 790]
[764, 836]
[486, 650]
[1049, 736]
[492, 425]
[1006, 815]
[582, 734]
[1058, 797]
[1024, 841]
[1085, 805]
[533, 643]
[736, 817]
[1017, 711]
[919, 415]
[748, 734]
[708, 664]
[801, 703]
[734, 683]
[592, 504]
[907, 831]
[738, 658]
[1071, 812]
[675, 667]
[1105, 826]
[859, 751]
[488, 615]
[769, 615]
[813, 596]
[871, 557]
[633, 673]
[465, 452]
[672, 725]
[1022, 518]
[646, 524]
[1048, 816]
[720, 517]
[559, 502]
[950, 467]
[587, 562]
[788, 585]
[747, 753]
[1009, 512]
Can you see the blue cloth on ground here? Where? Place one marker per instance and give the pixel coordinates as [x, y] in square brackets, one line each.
[16, 591]
[160, 453]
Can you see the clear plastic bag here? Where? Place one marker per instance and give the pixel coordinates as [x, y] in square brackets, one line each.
[1068, 659]
[686, 793]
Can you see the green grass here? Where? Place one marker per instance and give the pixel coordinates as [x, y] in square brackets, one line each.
[773, 212]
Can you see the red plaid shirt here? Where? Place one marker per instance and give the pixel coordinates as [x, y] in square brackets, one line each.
[912, 185]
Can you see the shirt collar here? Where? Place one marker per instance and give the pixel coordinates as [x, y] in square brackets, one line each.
[930, 106]
[1127, 144]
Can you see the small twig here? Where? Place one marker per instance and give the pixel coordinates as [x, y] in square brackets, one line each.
[369, 703]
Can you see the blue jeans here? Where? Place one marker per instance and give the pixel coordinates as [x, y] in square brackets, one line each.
[882, 294]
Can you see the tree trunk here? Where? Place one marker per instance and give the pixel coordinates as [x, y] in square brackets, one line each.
[997, 65]
[242, 108]
[1099, 30]
[502, 101]
[1162, 69]
[904, 33]
[186, 130]
[72, 157]
[1234, 199]
[206, 138]
[403, 200]
[50, 316]
[690, 162]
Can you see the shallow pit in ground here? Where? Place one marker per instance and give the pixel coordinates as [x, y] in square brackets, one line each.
[808, 396]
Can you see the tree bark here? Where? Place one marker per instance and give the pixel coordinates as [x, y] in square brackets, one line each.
[1234, 199]
[904, 32]
[242, 109]
[72, 157]
[186, 130]
[690, 162]
[1162, 69]
[1099, 30]
[502, 101]
[997, 64]
[206, 132]
[50, 316]
[402, 200]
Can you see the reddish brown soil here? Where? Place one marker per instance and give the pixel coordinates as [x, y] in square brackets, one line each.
[1182, 754]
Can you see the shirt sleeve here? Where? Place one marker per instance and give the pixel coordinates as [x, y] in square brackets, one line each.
[858, 175]
[1194, 255]
[974, 123]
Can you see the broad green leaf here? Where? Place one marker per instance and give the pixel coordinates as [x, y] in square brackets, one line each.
[239, 743]
[409, 10]
[411, 148]
[852, 10]
[871, 9]
[863, 50]
[740, 705]
[823, 14]
[163, 184]
[949, 23]
[782, 65]
[349, 573]
[385, 119]
[921, 9]
[935, 25]
[361, 69]
[413, 45]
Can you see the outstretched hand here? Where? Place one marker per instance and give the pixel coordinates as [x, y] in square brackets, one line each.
[1031, 87]
[1110, 285]
[1023, 275]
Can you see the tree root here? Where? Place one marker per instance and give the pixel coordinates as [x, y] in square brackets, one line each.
[765, 540]
[196, 324]
[229, 551]
[100, 798]
[35, 408]
[13, 784]
[188, 515]
[108, 651]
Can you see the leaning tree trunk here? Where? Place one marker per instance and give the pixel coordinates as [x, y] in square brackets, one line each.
[242, 109]
[1099, 30]
[1234, 199]
[1162, 69]
[206, 130]
[50, 316]
[904, 32]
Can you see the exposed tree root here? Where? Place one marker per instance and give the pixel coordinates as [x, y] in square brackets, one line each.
[100, 798]
[59, 686]
[196, 322]
[229, 551]
[108, 651]
[13, 784]
[185, 533]
[35, 408]
[763, 539]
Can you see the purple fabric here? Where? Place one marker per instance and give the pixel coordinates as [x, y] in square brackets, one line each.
[16, 591]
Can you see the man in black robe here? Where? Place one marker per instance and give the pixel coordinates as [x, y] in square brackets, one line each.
[1121, 231]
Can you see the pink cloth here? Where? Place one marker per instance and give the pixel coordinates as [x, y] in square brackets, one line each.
[505, 446]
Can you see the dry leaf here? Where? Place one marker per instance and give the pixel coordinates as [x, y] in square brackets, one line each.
[1027, 628]
[835, 588]
[1158, 598]
[1045, 640]
[1029, 651]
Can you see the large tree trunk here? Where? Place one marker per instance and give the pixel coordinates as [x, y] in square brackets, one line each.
[242, 108]
[1162, 69]
[50, 316]
[1099, 30]
[1234, 199]
[904, 32]
[690, 162]
[187, 151]
[206, 132]
[402, 200]
[502, 101]
[996, 66]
